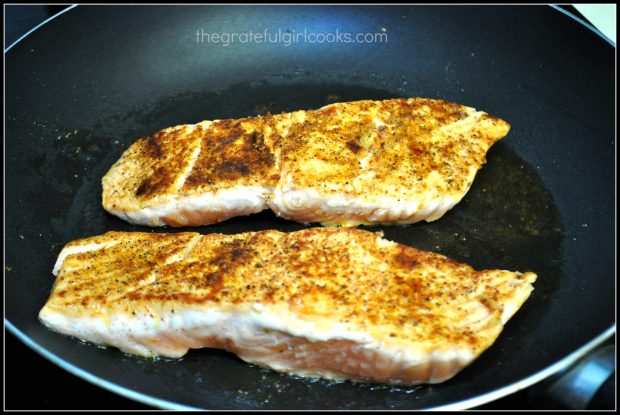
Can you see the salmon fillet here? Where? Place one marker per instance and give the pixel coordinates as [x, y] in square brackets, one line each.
[337, 303]
[396, 161]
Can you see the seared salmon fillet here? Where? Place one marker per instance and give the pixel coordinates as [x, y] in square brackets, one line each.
[338, 303]
[396, 161]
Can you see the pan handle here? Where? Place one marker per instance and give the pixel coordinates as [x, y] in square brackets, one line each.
[577, 386]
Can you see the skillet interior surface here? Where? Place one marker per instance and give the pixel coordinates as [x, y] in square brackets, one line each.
[83, 87]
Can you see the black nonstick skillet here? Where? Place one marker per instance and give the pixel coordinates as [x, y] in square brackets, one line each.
[85, 85]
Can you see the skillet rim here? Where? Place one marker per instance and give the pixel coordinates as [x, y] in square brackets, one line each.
[166, 404]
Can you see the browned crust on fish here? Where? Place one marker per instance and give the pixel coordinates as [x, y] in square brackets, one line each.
[398, 148]
[394, 292]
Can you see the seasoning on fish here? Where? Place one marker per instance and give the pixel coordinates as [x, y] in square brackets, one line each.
[338, 303]
[396, 161]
